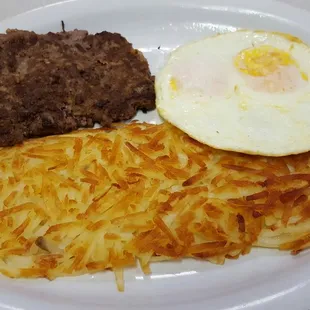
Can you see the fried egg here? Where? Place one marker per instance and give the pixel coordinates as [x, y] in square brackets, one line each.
[246, 91]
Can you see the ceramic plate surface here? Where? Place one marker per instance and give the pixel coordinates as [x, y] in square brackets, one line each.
[265, 279]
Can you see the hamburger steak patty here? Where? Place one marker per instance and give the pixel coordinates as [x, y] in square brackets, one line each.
[58, 82]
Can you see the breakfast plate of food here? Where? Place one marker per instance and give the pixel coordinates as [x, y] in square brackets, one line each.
[155, 155]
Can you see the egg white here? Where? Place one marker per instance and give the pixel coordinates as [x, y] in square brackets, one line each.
[201, 91]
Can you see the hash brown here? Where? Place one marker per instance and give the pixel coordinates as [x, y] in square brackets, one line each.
[103, 198]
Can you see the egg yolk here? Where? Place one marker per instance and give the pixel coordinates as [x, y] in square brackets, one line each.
[173, 84]
[264, 60]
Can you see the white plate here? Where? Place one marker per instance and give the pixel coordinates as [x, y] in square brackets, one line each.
[264, 279]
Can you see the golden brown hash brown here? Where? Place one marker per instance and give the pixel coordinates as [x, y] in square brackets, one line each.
[95, 200]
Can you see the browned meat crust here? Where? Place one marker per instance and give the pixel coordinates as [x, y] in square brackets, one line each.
[58, 82]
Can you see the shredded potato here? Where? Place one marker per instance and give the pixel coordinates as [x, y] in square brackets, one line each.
[105, 199]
